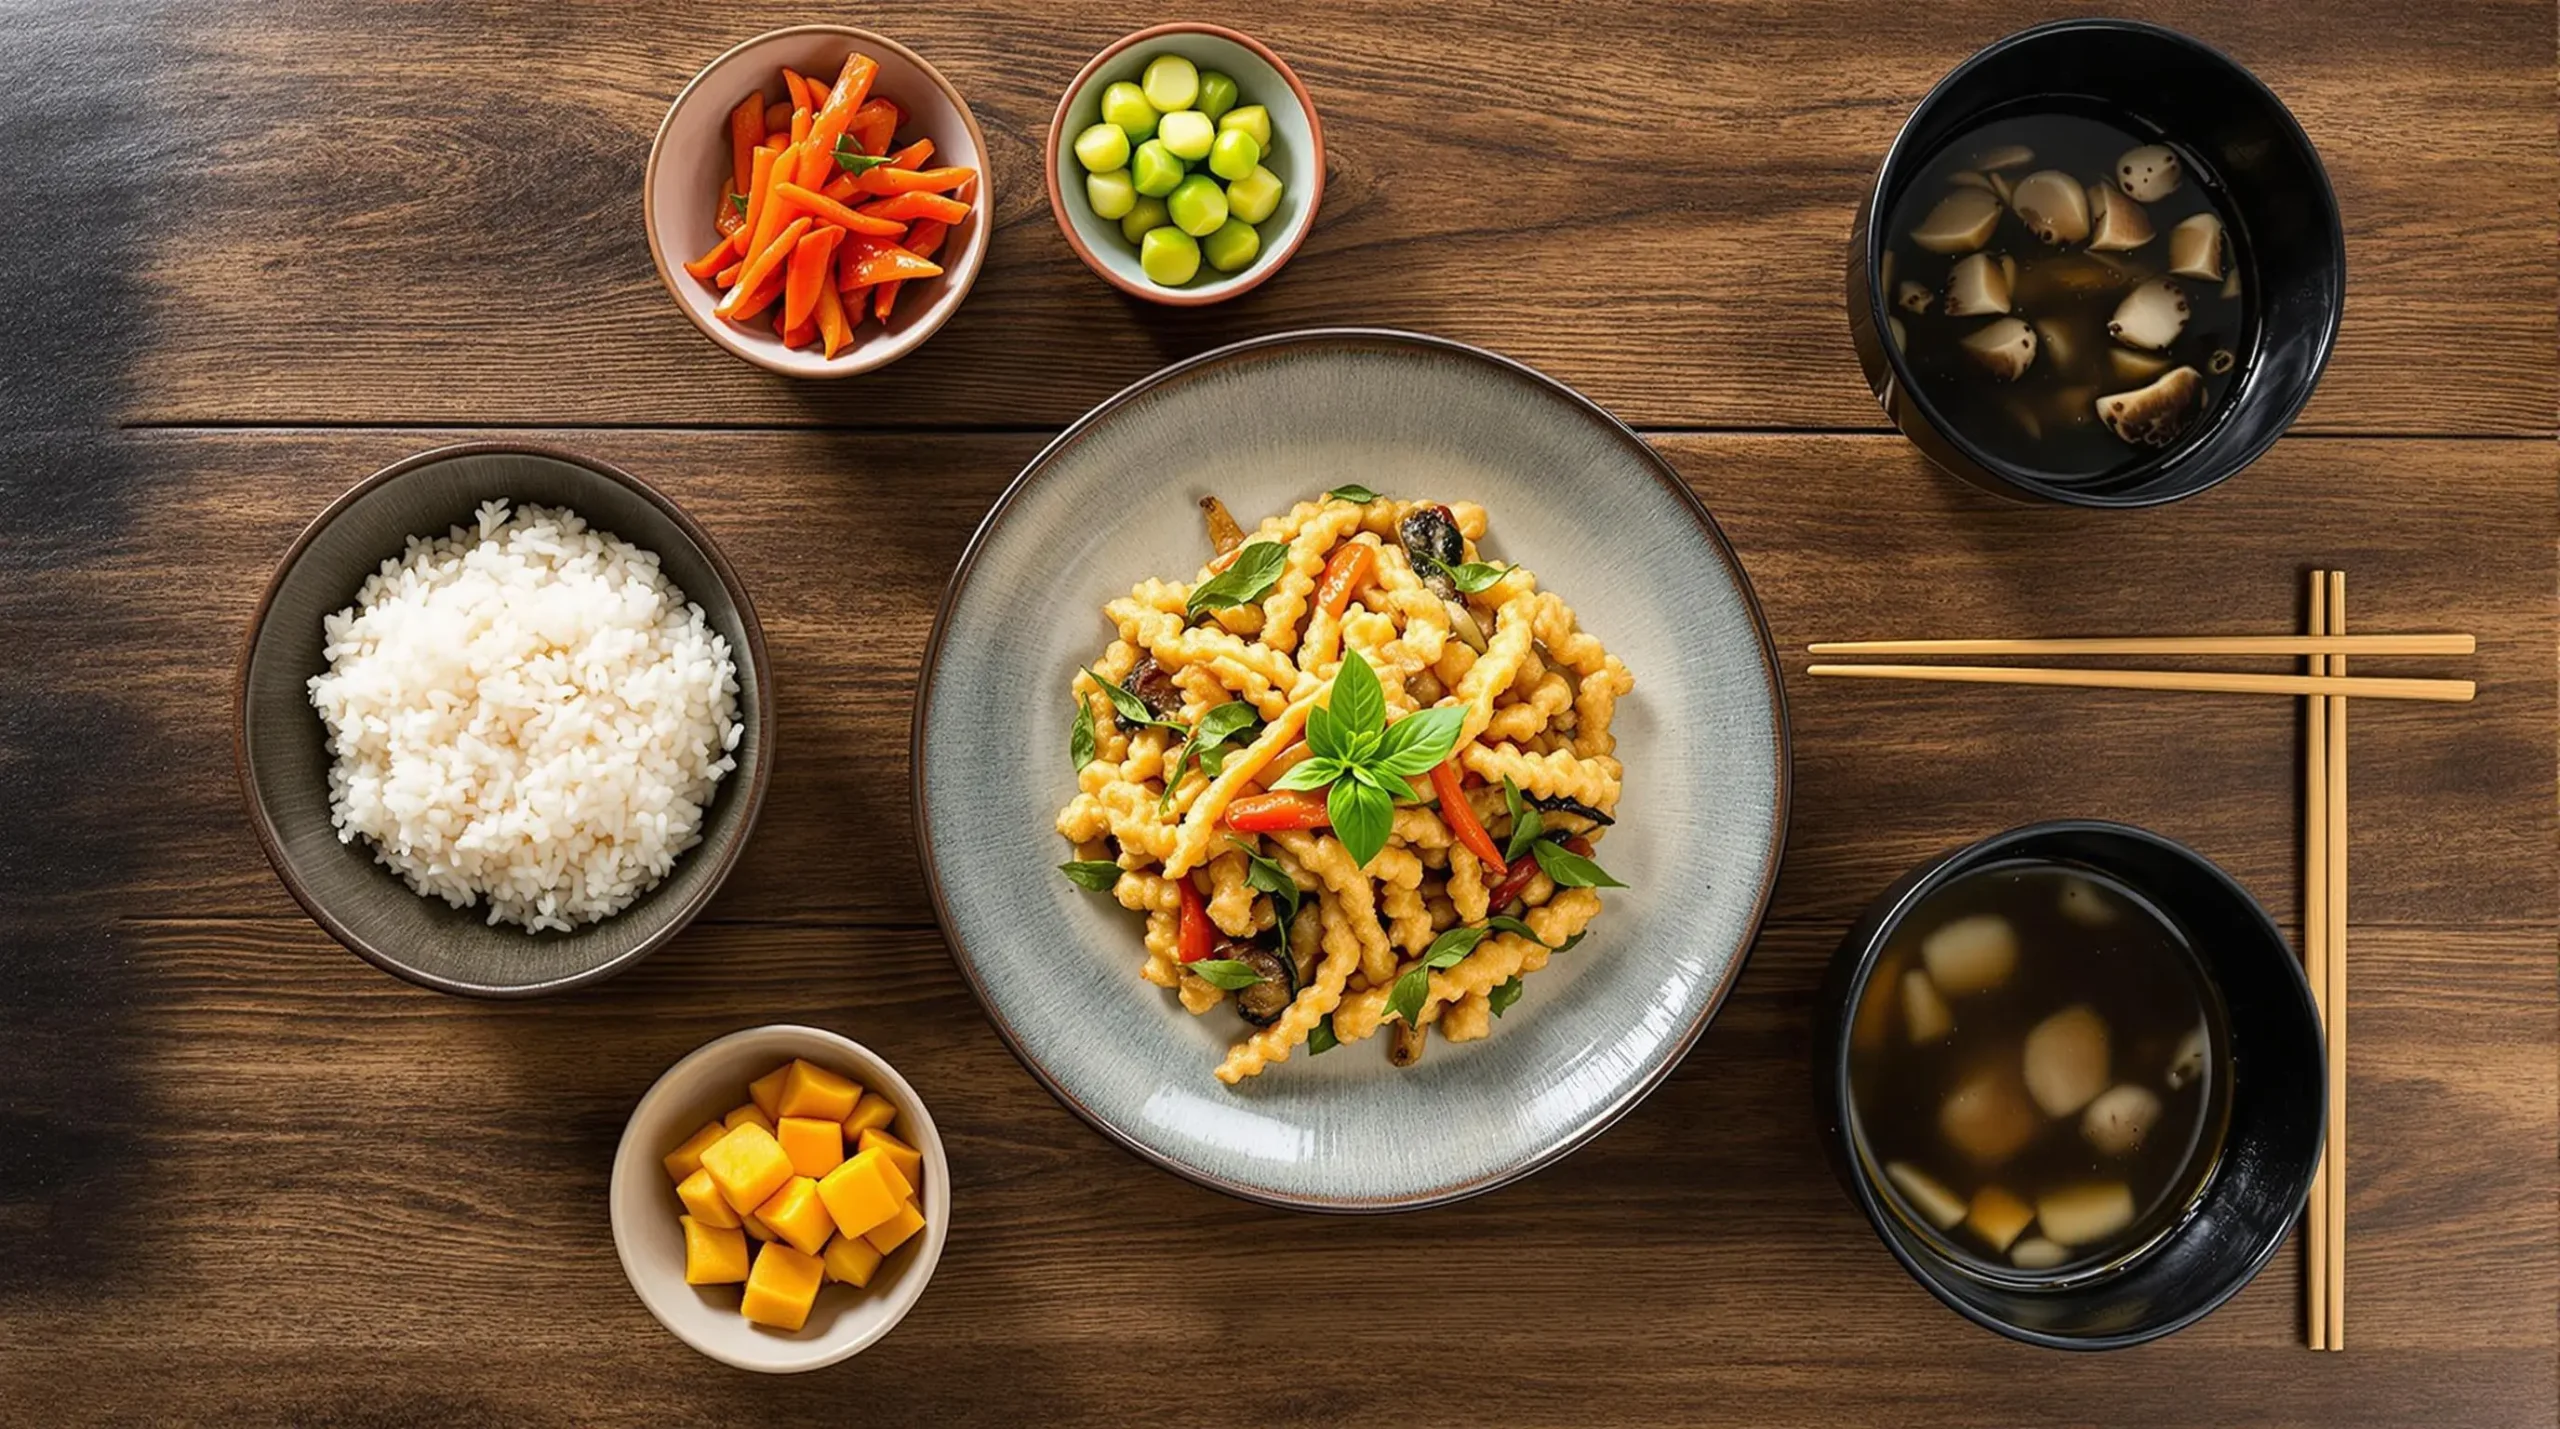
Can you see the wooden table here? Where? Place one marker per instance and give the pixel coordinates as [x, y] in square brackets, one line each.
[256, 251]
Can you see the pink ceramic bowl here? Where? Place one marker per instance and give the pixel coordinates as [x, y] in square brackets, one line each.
[689, 165]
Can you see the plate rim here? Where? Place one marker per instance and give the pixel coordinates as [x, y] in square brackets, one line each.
[1661, 470]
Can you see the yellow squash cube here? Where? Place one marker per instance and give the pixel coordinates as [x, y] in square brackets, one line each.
[687, 1159]
[872, 1113]
[797, 1215]
[815, 1145]
[766, 1091]
[850, 1260]
[782, 1287]
[863, 1192]
[893, 1232]
[703, 1201]
[811, 1090]
[713, 1255]
[747, 1222]
[747, 1115]
[748, 1166]
[908, 1160]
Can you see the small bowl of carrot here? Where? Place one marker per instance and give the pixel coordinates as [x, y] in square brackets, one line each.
[816, 200]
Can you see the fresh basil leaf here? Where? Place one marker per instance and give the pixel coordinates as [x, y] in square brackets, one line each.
[1129, 707]
[1505, 923]
[1364, 775]
[1223, 972]
[739, 202]
[1472, 576]
[850, 158]
[1325, 735]
[1503, 995]
[1446, 951]
[1257, 567]
[1226, 722]
[1570, 869]
[1359, 707]
[1359, 495]
[1526, 822]
[1419, 742]
[1567, 945]
[1313, 772]
[1322, 1040]
[1080, 739]
[1405, 999]
[1095, 875]
[1209, 736]
[1265, 875]
[1361, 818]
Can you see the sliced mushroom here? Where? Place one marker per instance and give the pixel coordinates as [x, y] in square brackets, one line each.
[2037, 1253]
[1262, 1003]
[2087, 904]
[1405, 1044]
[1431, 541]
[2151, 316]
[1971, 954]
[1976, 287]
[1924, 1012]
[2121, 1116]
[2007, 156]
[1968, 179]
[1936, 1204]
[2195, 248]
[2186, 1065]
[2063, 277]
[2079, 1215]
[2154, 416]
[1912, 297]
[2053, 206]
[2117, 223]
[1961, 223]
[1224, 533]
[2066, 1060]
[2005, 349]
[1462, 621]
[2060, 344]
[1998, 1217]
[2231, 285]
[2132, 366]
[1987, 1115]
[1154, 687]
[2150, 173]
[2001, 186]
[2009, 272]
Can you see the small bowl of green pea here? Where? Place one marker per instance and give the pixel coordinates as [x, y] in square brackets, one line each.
[1185, 164]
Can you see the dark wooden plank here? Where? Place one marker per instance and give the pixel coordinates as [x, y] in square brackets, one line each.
[1845, 537]
[355, 212]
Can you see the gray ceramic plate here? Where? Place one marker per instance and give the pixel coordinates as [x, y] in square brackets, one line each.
[1573, 495]
[284, 764]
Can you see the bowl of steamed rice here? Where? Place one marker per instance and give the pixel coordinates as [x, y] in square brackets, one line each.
[504, 719]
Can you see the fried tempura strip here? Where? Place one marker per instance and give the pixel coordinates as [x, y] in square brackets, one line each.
[1313, 1002]
[1191, 841]
[1495, 960]
[1594, 781]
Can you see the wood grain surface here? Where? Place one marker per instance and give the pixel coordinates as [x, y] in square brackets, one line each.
[260, 251]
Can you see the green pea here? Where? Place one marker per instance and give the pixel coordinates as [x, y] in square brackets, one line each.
[1234, 155]
[1111, 194]
[1253, 119]
[1253, 197]
[1234, 245]
[1169, 255]
[1126, 105]
[1198, 206]
[1171, 82]
[1102, 148]
[1150, 213]
[1155, 169]
[1189, 134]
[1218, 94]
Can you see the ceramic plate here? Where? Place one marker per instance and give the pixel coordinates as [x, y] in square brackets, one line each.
[1573, 495]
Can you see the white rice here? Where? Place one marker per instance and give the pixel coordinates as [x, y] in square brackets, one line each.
[527, 712]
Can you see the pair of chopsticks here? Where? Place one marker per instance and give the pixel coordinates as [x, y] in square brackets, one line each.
[2329, 647]
[2324, 957]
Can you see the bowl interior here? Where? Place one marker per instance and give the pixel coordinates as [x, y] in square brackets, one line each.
[690, 167]
[287, 761]
[650, 1240]
[2273, 1139]
[2286, 235]
[1292, 157]
[1263, 425]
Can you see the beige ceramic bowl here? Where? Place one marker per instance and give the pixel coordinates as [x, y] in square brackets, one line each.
[690, 161]
[706, 1084]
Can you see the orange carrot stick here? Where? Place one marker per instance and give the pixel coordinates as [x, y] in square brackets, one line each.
[885, 180]
[907, 207]
[853, 87]
[728, 277]
[914, 156]
[800, 122]
[746, 131]
[766, 264]
[810, 260]
[769, 218]
[759, 191]
[745, 302]
[833, 330]
[718, 258]
[798, 87]
[924, 239]
[796, 199]
[839, 188]
[777, 116]
[874, 124]
[876, 260]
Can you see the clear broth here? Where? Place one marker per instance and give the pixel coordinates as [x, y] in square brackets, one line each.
[2046, 419]
[2135, 969]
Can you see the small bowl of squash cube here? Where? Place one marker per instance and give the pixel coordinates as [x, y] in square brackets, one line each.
[780, 1199]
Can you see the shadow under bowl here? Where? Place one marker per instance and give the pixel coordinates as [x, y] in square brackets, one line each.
[2288, 243]
[2271, 1144]
[281, 746]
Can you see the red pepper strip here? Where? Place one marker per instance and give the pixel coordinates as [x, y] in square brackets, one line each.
[1193, 940]
[763, 270]
[910, 206]
[869, 260]
[806, 273]
[874, 124]
[885, 180]
[722, 254]
[1460, 816]
[1514, 879]
[852, 88]
[746, 131]
[1347, 571]
[795, 199]
[1273, 812]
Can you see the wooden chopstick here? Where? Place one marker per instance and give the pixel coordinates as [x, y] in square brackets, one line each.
[2312, 644]
[2315, 949]
[2337, 978]
[2198, 681]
